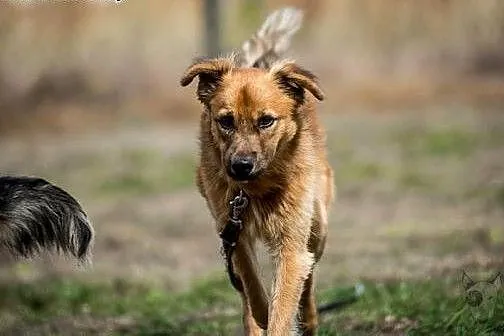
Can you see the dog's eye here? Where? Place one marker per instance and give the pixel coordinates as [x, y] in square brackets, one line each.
[266, 121]
[226, 122]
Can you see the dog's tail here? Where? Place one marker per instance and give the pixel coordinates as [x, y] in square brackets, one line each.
[357, 292]
[271, 41]
[36, 215]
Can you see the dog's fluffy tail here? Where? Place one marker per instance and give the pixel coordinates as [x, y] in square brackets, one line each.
[36, 215]
[271, 41]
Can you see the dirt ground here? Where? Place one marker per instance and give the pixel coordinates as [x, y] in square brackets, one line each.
[420, 194]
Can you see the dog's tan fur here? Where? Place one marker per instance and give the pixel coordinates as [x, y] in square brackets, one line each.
[289, 198]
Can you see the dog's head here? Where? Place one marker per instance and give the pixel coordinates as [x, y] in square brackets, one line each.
[253, 112]
[480, 295]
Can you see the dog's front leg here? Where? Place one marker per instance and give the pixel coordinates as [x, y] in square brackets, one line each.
[255, 301]
[293, 267]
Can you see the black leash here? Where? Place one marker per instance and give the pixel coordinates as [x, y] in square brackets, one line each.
[230, 235]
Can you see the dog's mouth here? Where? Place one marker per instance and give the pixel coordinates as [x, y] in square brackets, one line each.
[241, 177]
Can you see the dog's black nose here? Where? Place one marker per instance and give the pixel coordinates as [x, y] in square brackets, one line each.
[242, 167]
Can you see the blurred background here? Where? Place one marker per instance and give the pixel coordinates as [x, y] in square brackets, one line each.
[89, 99]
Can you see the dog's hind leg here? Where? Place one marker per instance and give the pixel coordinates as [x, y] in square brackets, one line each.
[309, 315]
[254, 297]
[316, 245]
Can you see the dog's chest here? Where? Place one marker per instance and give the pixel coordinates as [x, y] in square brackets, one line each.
[270, 220]
[260, 224]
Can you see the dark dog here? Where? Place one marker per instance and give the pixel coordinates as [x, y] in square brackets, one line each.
[36, 215]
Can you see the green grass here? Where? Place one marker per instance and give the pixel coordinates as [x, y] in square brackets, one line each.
[153, 308]
[211, 307]
[421, 308]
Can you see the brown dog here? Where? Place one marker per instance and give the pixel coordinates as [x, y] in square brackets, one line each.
[260, 134]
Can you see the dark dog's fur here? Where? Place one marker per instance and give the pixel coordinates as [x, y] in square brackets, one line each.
[36, 215]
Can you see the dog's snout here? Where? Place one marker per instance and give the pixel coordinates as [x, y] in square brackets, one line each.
[242, 167]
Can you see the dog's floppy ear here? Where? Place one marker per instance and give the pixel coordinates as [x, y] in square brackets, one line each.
[293, 79]
[210, 72]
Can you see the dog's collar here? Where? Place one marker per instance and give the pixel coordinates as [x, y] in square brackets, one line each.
[231, 233]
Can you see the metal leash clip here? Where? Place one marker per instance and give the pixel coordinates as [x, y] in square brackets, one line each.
[238, 204]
